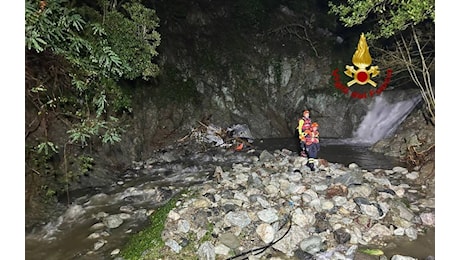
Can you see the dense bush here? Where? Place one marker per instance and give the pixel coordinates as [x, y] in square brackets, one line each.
[76, 56]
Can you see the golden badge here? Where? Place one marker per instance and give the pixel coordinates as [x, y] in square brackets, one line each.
[362, 59]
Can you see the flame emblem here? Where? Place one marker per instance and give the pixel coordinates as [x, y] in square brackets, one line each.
[362, 59]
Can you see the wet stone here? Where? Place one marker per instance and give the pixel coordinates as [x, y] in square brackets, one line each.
[361, 201]
[115, 252]
[229, 207]
[312, 244]
[341, 236]
[99, 244]
[113, 221]
[127, 209]
[97, 226]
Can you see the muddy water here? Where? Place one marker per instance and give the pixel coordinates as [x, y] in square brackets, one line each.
[423, 247]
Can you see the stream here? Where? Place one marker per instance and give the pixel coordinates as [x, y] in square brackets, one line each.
[142, 189]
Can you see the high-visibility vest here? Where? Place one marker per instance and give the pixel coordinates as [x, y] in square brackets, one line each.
[304, 125]
[312, 137]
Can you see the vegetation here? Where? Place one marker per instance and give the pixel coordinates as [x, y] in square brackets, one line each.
[150, 238]
[410, 26]
[148, 244]
[77, 55]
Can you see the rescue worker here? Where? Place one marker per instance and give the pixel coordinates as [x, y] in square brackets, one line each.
[312, 143]
[303, 125]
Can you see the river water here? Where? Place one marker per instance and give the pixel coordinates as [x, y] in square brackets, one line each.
[334, 150]
[68, 236]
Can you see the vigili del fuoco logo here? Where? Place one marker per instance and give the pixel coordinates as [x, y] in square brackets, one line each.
[361, 75]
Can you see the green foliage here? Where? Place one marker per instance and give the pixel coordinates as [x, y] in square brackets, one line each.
[39, 158]
[76, 57]
[47, 149]
[208, 235]
[135, 40]
[114, 44]
[392, 16]
[108, 131]
[53, 26]
[42, 153]
[86, 163]
[109, 45]
[147, 244]
[48, 192]
[82, 165]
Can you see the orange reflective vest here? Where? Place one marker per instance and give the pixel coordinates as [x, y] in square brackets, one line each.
[312, 137]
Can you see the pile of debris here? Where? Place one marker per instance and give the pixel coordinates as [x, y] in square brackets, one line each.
[237, 137]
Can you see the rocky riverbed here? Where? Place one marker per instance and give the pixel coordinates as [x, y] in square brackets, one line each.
[249, 204]
[274, 207]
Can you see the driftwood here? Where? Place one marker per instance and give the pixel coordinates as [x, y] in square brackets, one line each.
[423, 159]
[200, 129]
[198, 134]
[416, 158]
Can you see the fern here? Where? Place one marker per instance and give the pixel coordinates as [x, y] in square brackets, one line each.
[47, 149]
[97, 29]
[100, 102]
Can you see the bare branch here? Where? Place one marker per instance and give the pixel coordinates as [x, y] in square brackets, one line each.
[298, 30]
[424, 84]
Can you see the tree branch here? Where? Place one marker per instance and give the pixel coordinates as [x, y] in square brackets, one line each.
[296, 30]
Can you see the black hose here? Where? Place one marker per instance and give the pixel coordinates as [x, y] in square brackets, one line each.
[263, 248]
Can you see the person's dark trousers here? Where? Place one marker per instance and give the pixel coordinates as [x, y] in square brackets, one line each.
[312, 155]
[313, 150]
[303, 149]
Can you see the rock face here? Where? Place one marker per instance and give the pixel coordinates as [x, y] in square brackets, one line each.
[216, 70]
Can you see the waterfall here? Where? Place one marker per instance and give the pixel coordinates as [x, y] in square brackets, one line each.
[382, 119]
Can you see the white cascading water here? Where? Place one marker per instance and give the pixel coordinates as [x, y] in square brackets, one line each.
[382, 119]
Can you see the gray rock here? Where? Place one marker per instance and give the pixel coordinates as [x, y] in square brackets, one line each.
[266, 232]
[266, 156]
[175, 247]
[350, 178]
[312, 244]
[400, 257]
[206, 251]
[342, 236]
[268, 215]
[183, 226]
[241, 131]
[113, 221]
[230, 240]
